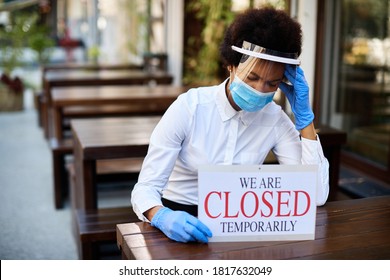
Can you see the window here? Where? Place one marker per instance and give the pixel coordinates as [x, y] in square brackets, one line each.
[356, 83]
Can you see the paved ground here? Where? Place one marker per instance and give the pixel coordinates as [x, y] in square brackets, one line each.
[30, 226]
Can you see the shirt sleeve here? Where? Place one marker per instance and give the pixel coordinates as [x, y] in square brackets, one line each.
[312, 153]
[164, 147]
[291, 150]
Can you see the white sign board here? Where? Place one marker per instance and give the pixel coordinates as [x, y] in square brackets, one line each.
[258, 202]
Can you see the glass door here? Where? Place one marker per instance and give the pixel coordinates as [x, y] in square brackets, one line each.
[358, 97]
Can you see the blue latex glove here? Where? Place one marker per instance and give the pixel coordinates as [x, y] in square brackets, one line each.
[298, 96]
[180, 226]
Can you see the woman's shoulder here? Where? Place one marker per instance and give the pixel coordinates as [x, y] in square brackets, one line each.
[200, 95]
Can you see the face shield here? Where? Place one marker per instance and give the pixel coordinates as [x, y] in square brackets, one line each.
[258, 75]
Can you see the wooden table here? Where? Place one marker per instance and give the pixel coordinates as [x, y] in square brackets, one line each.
[97, 101]
[78, 77]
[107, 138]
[347, 229]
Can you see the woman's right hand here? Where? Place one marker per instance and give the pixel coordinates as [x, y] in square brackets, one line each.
[180, 226]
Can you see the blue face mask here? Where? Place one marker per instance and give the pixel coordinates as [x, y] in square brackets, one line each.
[247, 98]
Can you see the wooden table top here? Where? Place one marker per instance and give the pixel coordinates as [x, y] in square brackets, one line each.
[120, 94]
[109, 138]
[347, 229]
[100, 77]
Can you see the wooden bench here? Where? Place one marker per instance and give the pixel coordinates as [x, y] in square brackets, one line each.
[107, 170]
[111, 171]
[96, 227]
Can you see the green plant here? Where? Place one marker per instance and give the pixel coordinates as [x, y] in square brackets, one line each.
[136, 28]
[94, 53]
[23, 31]
[203, 68]
[12, 38]
[41, 43]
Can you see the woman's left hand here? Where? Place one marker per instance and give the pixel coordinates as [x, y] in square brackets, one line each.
[298, 96]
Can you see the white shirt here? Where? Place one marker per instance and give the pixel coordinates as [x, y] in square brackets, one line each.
[201, 127]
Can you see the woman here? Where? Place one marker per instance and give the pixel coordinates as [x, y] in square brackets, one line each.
[235, 122]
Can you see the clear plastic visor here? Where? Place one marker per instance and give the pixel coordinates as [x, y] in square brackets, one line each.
[259, 71]
[253, 50]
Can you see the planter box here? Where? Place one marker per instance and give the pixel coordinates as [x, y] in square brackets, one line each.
[10, 100]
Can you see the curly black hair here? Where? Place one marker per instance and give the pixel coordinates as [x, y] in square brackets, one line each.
[266, 27]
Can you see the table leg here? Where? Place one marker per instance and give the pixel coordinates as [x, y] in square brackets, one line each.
[85, 193]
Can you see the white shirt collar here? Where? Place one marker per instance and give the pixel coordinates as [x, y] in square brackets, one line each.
[225, 109]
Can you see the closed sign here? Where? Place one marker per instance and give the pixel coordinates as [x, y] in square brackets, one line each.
[258, 203]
